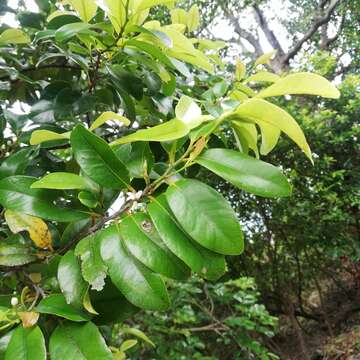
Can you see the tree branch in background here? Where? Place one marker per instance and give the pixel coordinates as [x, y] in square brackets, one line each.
[318, 21]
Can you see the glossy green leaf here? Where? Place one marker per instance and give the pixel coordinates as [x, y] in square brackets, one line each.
[301, 83]
[15, 255]
[16, 194]
[93, 268]
[116, 11]
[245, 172]
[97, 159]
[260, 111]
[14, 36]
[206, 216]
[4, 342]
[246, 136]
[206, 263]
[56, 305]
[111, 305]
[138, 333]
[138, 284]
[171, 130]
[78, 342]
[61, 181]
[143, 242]
[68, 31]
[70, 279]
[26, 344]
[88, 199]
[189, 112]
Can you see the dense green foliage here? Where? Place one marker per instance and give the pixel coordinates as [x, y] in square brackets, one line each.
[103, 204]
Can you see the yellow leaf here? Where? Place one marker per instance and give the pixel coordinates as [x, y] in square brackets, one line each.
[193, 19]
[263, 76]
[301, 83]
[269, 137]
[36, 227]
[106, 116]
[28, 318]
[14, 36]
[116, 11]
[85, 8]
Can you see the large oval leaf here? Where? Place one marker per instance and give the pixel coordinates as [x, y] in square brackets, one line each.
[171, 130]
[206, 216]
[70, 279]
[206, 263]
[78, 342]
[16, 194]
[301, 83]
[61, 181]
[143, 241]
[56, 305]
[26, 344]
[245, 172]
[15, 255]
[97, 160]
[138, 284]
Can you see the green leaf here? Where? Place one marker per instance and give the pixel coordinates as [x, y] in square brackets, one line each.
[171, 130]
[16, 194]
[116, 11]
[143, 242]
[97, 159]
[26, 344]
[240, 70]
[56, 305]
[206, 216]
[14, 36]
[111, 305]
[4, 342]
[127, 81]
[88, 199]
[15, 255]
[40, 136]
[68, 31]
[93, 268]
[17, 162]
[61, 181]
[106, 116]
[70, 279]
[138, 333]
[78, 342]
[301, 83]
[206, 263]
[145, 4]
[85, 8]
[245, 172]
[260, 111]
[138, 284]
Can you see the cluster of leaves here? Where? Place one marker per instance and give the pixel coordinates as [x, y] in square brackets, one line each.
[208, 322]
[110, 118]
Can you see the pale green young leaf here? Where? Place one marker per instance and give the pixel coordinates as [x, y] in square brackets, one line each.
[145, 4]
[188, 111]
[116, 11]
[106, 116]
[259, 111]
[14, 36]
[40, 136]
[85, 8]
[269, 137]
[61, 181]
[301, 83]
[171, 130]
[246, 136]
[240, 70]
[264, 76]
[193, 18]
[178, 16]
[265, 58]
